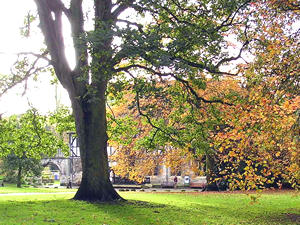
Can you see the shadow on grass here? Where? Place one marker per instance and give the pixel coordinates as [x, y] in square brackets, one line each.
[283, 218]
[57, 211]
[78, 212]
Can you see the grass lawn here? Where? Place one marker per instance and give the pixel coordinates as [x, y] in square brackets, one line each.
[12, 188]
[153, 208]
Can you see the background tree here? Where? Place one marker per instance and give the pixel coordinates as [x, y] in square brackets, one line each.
[16, 169]
[173, 132]
[62, 121]
[25, 140]
[260, 142]
[263, 106]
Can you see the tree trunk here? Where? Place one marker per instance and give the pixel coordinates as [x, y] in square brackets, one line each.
[90, 116]
[86, 85]
[19, 177]
[210, 163]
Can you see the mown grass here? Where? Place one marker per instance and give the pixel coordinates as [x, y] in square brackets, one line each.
[12, 188]
[153, 208]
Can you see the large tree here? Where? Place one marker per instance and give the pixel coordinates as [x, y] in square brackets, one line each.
[148, 40]
[178, 39]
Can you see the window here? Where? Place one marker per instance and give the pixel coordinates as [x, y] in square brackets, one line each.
[175, 172]
[156, 170]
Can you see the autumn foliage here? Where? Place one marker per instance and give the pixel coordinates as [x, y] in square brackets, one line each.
[249, 131]
[215, 88]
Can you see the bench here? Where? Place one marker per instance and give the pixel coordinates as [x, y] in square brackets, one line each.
[167, 185]
[198, 185]
[127, 186]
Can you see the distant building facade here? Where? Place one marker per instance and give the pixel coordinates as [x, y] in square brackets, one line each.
[69, 168]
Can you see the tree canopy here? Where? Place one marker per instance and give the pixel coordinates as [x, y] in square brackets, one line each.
[17, 169]
[24, 141]
[250, 126]
[145, 43]
[28, 135]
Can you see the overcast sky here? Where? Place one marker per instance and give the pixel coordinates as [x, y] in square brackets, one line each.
[40, 94]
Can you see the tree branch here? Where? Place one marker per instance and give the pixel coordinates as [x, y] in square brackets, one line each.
[122, 7]
[194, 93]
[151, 123]
[229, 20]
[52, 29]
[103, 10]
[233, 58]
[181, 80]
[39, 56]
[139, 26]
[80, 45]
[113, 114]
[17, 78]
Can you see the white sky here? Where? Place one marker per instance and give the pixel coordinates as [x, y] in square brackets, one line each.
[41, 94]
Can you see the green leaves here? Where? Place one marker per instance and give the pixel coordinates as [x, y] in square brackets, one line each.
[17, 168]
[28, 20]
[28, 135]
[62, 120]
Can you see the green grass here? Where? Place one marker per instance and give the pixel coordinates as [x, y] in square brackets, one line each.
[153, 208]
[12, 188]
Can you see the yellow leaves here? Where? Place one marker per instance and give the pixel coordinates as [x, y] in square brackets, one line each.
[221, 149]
[294, 153]
[232, 154]
[292, 104]
[262, 134]
[286, 105]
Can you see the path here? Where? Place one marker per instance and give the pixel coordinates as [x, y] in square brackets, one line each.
[34, 193]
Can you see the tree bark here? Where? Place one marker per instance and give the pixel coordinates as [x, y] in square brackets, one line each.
[210, 163]
[19, 177]
[90, 119]
[86, 85]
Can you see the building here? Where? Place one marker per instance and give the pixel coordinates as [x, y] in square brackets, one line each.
[68, 169]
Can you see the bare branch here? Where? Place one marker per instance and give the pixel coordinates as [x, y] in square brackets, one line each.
[181, 80]
[17, 78]
[139, 26]
[122, 7]
[37, 55]
[113, 114]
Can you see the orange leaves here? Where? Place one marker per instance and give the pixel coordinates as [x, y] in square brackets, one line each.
[259, 147]
[232, 154]
[262, 139]
[291, 105]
